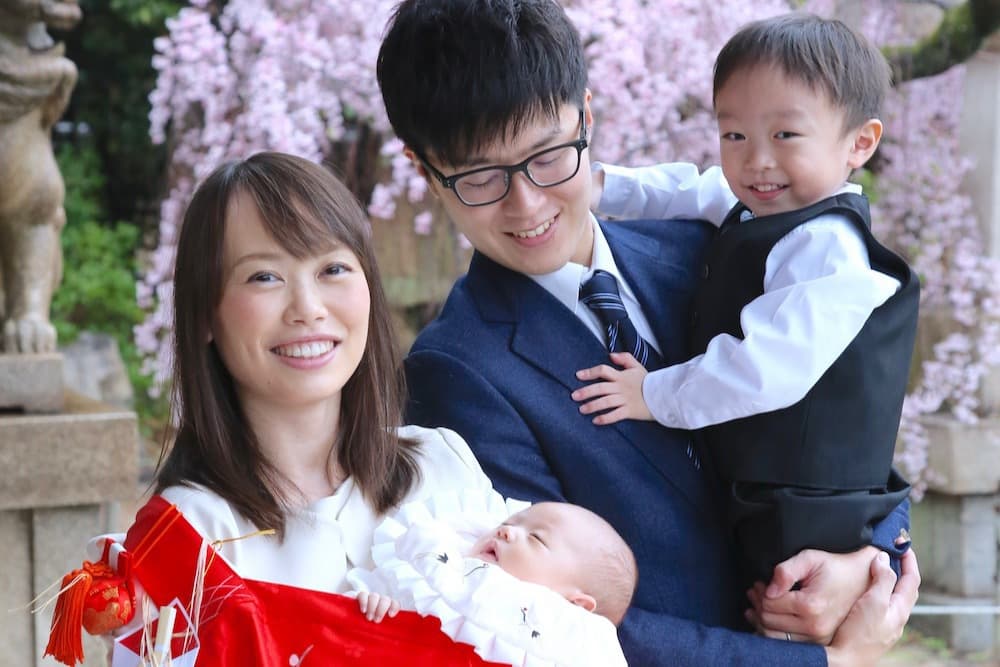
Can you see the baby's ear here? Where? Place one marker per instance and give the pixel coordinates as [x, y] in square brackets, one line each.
[866, 139]
[581, 599]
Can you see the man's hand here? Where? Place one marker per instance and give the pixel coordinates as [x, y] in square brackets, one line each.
[875, 623]
[375, 607]
[828, 586]
[621, 393]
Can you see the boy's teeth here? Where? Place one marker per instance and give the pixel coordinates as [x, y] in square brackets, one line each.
[305, 350]
[532, 233]
[766, 187]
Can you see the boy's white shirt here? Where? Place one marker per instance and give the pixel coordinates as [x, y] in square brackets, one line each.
[819, 290]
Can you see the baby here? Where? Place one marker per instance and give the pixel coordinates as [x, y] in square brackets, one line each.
[505, 591]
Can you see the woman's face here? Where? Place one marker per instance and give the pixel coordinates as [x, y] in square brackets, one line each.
[290, 331]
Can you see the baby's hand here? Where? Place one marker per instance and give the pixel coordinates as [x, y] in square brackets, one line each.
[621, 393]
[375, 606]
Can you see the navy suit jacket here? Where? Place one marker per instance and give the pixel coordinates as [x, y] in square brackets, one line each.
[498, 366]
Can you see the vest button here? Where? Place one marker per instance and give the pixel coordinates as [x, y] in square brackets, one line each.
[694, 318]
[704, 272]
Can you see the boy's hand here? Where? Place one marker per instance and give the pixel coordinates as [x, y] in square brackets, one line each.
[621, 393]
[375, 606]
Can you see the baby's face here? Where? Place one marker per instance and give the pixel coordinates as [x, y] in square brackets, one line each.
[540, 545]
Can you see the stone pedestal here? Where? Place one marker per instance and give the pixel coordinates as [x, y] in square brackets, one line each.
[955, 532]
[968, 633]
[31, 382]
[59, 473]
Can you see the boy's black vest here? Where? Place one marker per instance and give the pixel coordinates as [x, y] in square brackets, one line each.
[817, 473]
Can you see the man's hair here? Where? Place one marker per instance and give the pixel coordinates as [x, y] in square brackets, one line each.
[610, 572]
[457, 75]
[823, 53]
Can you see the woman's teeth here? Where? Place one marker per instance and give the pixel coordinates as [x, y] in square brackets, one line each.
[305, 350]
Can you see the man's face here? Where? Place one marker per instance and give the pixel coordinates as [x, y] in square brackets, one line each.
[532, 230]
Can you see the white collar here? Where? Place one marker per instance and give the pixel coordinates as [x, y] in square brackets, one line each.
[846, 188]
[564, 283]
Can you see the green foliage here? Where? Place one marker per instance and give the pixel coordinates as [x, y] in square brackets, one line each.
[97, 292]
[98, 288]
[113, 50]
[145, 13]
[868, 181]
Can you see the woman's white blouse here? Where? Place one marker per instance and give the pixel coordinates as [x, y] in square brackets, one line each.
[332, 535]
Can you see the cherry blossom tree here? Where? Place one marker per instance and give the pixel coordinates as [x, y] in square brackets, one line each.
[298, 76]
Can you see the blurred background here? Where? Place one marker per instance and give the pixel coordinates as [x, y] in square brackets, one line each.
[168, 89]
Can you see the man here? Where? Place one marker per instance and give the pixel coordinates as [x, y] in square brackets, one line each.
[473, 84]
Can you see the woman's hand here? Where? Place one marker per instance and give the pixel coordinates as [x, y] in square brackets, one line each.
[375, 607]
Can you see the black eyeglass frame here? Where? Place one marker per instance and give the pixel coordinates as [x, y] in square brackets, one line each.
[448, 182]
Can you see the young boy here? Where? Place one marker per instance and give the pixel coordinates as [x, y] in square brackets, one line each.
[528, 585]
[804, 324]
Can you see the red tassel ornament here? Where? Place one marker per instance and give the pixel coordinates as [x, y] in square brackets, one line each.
[94, 597]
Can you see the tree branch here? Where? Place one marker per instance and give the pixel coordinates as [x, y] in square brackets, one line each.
[959, 35]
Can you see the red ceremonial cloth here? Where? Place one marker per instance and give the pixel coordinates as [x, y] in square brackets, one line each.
[245, 622]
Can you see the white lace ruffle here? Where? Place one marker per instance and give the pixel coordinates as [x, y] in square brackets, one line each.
[419, 556]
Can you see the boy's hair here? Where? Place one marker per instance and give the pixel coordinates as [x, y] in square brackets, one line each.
[457, 75]
[823, 53]
[611, 573]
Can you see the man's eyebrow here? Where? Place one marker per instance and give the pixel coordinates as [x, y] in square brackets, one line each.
[545, 140]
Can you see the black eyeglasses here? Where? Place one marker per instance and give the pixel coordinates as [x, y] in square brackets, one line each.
[487, 185]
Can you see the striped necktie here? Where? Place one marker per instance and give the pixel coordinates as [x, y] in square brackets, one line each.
[601, 295]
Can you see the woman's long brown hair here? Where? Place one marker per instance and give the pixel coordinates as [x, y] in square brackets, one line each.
[306, 210]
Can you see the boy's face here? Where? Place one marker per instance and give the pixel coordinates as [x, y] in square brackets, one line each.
[532, 230]
[541, 544]
[783, 144]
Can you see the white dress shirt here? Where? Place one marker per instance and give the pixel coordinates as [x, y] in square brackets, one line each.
[819, 290]
[564, 284]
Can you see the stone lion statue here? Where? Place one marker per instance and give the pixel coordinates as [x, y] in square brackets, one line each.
[35, 85]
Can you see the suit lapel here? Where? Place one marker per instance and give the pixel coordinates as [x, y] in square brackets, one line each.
[551, 338]
[663, 274]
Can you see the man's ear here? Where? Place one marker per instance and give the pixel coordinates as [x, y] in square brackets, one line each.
[581, 599]
[866, 140]
[417, 162]
[588, 115]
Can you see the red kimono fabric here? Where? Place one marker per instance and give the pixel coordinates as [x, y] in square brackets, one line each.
[246, 622]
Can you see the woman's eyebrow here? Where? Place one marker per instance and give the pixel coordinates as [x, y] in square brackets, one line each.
[256, 256]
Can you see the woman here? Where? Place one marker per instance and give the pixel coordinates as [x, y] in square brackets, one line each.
[288, 395]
